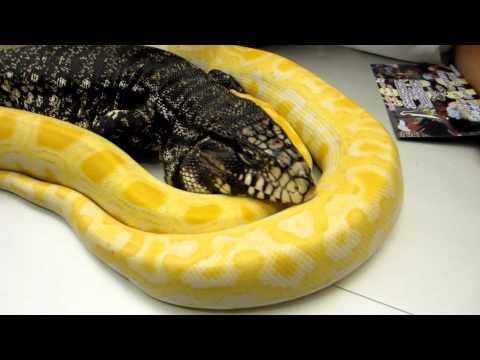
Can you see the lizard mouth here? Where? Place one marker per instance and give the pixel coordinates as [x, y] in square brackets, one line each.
[214, 166]
[278, 185]
[291, 185]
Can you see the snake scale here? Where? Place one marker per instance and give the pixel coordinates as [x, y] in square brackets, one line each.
[171, 243]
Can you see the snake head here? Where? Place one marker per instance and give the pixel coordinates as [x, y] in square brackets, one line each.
[247, 153]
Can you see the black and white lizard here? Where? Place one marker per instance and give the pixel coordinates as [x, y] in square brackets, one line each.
[154, 104]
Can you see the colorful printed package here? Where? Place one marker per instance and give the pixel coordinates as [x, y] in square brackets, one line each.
[425, 100]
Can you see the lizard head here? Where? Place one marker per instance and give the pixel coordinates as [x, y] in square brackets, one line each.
[248, 153]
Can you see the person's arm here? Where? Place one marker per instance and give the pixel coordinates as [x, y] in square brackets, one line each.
[467, 61]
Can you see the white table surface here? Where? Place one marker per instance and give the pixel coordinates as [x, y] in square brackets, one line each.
[430, 263]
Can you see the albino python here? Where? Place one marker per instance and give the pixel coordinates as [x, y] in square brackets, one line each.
[215, 251]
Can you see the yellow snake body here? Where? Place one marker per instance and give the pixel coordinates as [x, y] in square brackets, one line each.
[212, 251]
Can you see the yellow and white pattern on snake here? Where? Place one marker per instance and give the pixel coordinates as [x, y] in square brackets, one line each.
[62, 153]
[280, 257]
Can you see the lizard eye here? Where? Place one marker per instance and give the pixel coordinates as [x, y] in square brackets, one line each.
[244, 159]
[248, 158]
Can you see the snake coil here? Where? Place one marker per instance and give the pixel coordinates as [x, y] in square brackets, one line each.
[212, 251]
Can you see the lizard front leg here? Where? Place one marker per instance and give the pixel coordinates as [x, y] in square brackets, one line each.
[131, 130]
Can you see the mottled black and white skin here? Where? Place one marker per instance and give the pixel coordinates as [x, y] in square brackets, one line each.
[154, 104]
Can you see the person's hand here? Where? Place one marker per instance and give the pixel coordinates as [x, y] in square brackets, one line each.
[467, 61]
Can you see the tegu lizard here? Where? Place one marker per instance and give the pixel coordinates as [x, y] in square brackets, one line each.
[154, 104]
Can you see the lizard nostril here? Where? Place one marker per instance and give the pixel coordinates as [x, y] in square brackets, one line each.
[275, 144]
